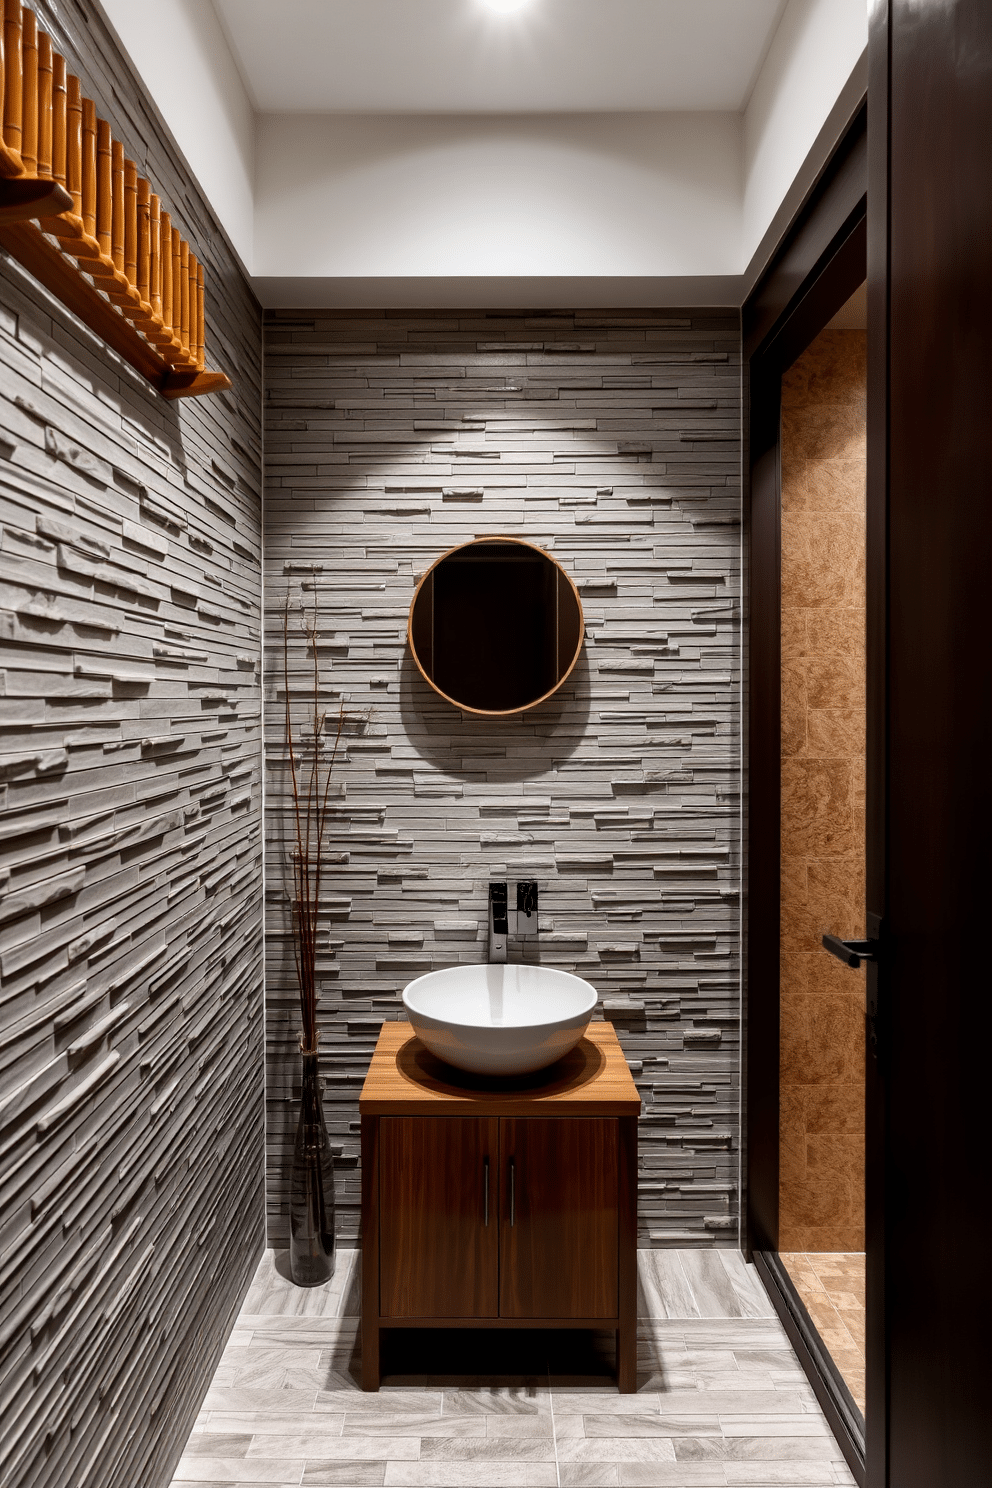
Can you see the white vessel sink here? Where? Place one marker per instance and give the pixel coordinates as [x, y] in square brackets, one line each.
[500, 1020]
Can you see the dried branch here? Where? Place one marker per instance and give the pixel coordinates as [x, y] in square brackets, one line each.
[311, 810]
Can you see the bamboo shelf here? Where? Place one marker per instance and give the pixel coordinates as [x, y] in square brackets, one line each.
[76, 214]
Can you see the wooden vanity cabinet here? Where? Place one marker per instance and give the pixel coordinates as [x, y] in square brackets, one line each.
[494, 1207]
[438, 1229]
[559, 1217]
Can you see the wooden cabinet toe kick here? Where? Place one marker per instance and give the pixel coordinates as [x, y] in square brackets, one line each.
[489, 1206]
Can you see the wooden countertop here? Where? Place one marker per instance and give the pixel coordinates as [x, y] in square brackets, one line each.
[405, 1079]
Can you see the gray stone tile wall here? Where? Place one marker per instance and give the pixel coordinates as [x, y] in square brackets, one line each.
[131, 1104]
[613, 440]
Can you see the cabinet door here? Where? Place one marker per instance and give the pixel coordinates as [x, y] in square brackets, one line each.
[438, 1227]
[559, 1217]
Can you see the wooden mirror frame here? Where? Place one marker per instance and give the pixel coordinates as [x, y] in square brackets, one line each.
[524, 707]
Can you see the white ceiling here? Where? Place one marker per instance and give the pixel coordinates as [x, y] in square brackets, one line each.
[457, 56]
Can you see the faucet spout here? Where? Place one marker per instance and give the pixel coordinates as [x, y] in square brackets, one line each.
[499, 924]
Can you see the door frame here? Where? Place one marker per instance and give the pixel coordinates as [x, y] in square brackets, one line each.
[929, 869]
[821, 262]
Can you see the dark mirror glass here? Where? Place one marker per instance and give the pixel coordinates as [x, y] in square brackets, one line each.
[496, 626]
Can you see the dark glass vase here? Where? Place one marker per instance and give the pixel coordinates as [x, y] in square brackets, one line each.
[311, 1189]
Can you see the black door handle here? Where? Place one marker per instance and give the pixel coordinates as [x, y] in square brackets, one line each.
[851, 952]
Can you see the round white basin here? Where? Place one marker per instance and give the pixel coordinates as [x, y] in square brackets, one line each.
[500, 1020]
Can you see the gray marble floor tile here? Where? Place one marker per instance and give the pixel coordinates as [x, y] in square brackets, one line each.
[707, 1358]
[318, 1474]
[589, 1474]
[471, 1475]
[336, 1392]
[322, 1377]
[229, 1483]
[525, 1401]
[383, 1402]
[781, 1474]
[722, 1400]
[487, 1449]
[224, 1398]
[616, 1449]
[806, 1425]
[712, 1289]
[707, 1333]
[753, 1298]
[211, 1483]
[606, 1402]
[672, 1475]
[240, 1470]
[272, 1292]
[568, 1425]
[737, 1402]
[626, 1425]
[264, 1377]
[414, 1423]
[268, 1332]
[281, 1422]
[777, 1360]
[665, 1289]
[661, 1381]
[217, 1444]
[733, 1379]
[337, 1448]
[541, 1424]
[685, 1425]
[757, 1449]
[268, 1355]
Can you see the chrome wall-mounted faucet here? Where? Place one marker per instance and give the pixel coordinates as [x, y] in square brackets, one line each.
[503, 921]
[499, 925]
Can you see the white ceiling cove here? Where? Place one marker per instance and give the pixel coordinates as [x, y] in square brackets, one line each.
[457, 56]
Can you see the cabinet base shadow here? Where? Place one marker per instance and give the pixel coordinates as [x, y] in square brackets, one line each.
[486, 1358]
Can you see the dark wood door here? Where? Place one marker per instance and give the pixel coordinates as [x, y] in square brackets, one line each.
[930, 801]
[558, 1230]
[438, 1228]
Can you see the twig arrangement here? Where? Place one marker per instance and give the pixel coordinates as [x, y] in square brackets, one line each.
[311, 782]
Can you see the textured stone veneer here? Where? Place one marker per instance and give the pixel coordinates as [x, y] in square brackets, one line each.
[613, 441]
[822, 1180]
[131, 1108]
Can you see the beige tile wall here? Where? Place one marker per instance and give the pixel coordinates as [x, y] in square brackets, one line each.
[823, 751]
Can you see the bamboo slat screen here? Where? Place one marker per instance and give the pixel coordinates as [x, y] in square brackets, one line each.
[115, 230]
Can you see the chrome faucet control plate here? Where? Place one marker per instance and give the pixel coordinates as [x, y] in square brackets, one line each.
[526, 909]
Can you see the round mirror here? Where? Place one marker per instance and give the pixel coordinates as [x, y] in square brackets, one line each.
[495, 625]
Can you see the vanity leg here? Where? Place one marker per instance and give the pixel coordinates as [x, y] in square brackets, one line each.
[370, 1355]
[627, 1331]
[370, 1253]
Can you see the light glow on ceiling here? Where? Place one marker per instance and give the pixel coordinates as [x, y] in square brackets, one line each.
[506, 7]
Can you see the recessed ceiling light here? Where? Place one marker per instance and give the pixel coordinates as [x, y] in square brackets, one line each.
[505, 7]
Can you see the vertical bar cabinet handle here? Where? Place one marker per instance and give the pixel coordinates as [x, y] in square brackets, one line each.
[485, 1190]
[513, 1193]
